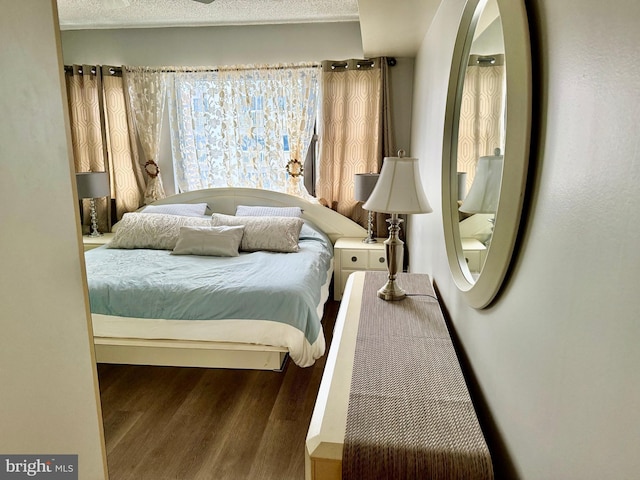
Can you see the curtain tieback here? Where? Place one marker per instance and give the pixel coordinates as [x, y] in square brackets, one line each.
[294, 168]
[152, 169]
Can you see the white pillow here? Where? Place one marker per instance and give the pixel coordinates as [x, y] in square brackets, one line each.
[259, 211]
[275, 234]
[215, 241]
[152, 230]
[185, 209]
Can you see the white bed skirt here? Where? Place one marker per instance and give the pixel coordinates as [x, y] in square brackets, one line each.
[255, 332]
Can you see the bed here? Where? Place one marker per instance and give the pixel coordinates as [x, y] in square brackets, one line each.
[216, 319]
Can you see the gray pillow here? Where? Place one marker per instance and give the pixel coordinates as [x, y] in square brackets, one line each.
[214, 241]
[275, 234]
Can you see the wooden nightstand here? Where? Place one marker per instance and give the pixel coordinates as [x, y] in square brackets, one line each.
[353, 255]
[94, 242]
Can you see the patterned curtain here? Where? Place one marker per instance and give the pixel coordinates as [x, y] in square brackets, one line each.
[103, 138]
[481, 113]
[243, 126]
[355, 132]
[127, 179]
[147, 89]
[84, 94]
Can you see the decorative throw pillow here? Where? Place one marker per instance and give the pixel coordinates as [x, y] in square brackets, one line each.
[152, 230]
[185, 209]
[214, 241]
[275, 234]
[260, 211]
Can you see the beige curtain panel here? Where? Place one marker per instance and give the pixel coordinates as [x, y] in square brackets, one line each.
[127, 179]
[104, 139]
[481, 113]
[84, 93]
[355, 132]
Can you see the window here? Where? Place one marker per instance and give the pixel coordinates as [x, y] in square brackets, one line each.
[241, 126]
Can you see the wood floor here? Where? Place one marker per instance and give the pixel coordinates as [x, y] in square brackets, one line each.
[192, 423]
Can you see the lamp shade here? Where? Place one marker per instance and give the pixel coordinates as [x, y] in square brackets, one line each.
[92, 184]
[485, 190]
[398, 189]
[364, 184]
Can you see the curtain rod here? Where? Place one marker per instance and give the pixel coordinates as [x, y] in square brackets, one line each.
[357, 63]
[116, 71]
[486, 60]
[391, 61]
[224, 68]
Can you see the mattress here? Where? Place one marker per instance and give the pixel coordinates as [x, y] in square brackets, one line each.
[260, 297]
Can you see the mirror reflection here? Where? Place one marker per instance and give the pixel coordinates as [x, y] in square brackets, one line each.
[481, 137]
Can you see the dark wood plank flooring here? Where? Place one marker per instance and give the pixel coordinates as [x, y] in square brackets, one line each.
[209, 424]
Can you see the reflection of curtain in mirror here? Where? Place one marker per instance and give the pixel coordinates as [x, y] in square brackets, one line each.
[355, 131]
[481, 112]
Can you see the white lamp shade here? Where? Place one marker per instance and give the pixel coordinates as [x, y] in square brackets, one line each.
[485, 190]
[92, 184]
[364, 184]
[462, 185]
[399, 188]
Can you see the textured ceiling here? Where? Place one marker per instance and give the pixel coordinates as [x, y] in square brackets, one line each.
[91, 14]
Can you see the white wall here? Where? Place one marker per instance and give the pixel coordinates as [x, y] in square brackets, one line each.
[556, 356]
[233, 45]
[48, 381]
[229, 45]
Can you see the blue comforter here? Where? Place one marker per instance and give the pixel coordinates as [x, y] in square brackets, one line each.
[282, 287]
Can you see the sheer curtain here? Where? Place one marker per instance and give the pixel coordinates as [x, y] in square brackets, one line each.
[481, 113]
[147, 89]
[355, 132]
[243, 126]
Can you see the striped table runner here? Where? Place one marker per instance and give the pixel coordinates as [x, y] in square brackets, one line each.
[410, 415]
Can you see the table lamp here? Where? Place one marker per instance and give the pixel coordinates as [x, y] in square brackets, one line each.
[398, 191]
[93, 185]
[364, 184]
[484, 193]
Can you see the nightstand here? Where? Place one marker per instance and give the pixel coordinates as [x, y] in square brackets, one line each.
[353, 255]
[474, 253]
[94, 242]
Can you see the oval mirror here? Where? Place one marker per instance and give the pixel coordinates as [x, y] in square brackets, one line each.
[486, 145]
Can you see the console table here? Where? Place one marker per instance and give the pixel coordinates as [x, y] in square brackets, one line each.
[426, 407]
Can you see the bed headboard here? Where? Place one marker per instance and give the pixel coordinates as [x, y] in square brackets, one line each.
[225, 200]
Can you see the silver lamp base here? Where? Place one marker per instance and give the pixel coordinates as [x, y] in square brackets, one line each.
[393, 248]
[370, 237]
[94, 219]
[391, 291]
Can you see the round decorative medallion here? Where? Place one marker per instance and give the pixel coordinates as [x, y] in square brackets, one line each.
[294, 168]
[152, 169]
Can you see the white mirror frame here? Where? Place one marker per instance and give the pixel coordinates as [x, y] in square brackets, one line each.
[481, 292]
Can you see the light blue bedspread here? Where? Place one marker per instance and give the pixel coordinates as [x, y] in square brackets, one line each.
[283, 287]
